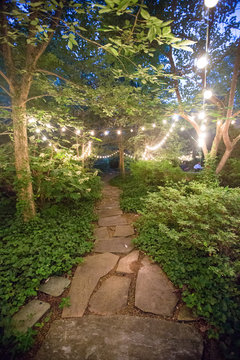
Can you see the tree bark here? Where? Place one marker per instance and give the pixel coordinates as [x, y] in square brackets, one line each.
[121, 157]
[223, 160]
[23, 172]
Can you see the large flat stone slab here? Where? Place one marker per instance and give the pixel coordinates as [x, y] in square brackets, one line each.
[111, 296]
[55, 286]
[29, 315]
[124, 230]
[154, 292]
[107, 204]
[112, 221]
[109, 212]
[114, 245]
[125, 263]
[85, 280]
[120, 338]
[101, 233]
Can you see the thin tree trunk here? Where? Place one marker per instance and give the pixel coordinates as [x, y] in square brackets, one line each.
[223, 160]
[121, 157]
[23, 172]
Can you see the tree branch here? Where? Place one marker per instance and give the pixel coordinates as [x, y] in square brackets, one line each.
[236, 113]
[5, 78]
[53, 74]
[5, 90]
[36, 97]
[5, 107]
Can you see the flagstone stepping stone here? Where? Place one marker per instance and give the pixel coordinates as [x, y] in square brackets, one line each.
[125, 263]
[109, 212]
[124, 230]
[109, 205]
[120, 338]
[55, 286]
[186, 314]
[85, 280]
[101, 233]
[29, 315]
[154, 291]
[111, 297]
[112, 221]
[115, 245]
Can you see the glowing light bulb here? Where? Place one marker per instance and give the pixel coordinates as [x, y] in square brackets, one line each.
[131, 130]
[210, 3]
[164, 121]
[219, 122]
[203, 127]
[202, 135]
[119, 132]
[48, 126]
[44, 138]
[182, 128]
[202, 62]
[153, 125]
[200, 142]
[106, 132]
[92, 132]
[78, 132]
[201, 115]
[175, 117]
[173, 125]
[233, 122]
[207, 94]
[31, 120]
[38, 131]
[142, 128]
[50, 144]
[63, 129]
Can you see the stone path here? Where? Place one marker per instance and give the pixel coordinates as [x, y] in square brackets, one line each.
[122, 306]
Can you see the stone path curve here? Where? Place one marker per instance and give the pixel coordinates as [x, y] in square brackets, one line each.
[123, 307]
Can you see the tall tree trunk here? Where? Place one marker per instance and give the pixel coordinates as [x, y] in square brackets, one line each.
[223, 160]
[121, 157]
[23, 172]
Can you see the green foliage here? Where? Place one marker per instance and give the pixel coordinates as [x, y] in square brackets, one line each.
[58, 176]
[193, 232]
[145, 177]
[65, 302]
[230, 175]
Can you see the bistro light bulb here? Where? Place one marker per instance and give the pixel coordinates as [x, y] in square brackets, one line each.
[48, 126]
[202, 62]
[210, 3]
[78, 132]
[207, 94]
[142, 128]
[92, 132]
[175, 117]
[182, 128]
[203, 127]
[233, 122]
[201, 115]
[38, 131]
[119, 132]
[44, 138]
[63, 129]
[31, 120]
[153, 125]
[164, 121]
[131, 130]
[106, 132]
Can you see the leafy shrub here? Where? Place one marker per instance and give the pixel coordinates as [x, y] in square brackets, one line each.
[193, 232]
[59, 176]
[230, 175]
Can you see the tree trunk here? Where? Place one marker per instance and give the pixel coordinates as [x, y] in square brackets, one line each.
[121, 161]
[223, 160]
[23, 172]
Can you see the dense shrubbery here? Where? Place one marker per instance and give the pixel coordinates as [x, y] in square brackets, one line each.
[193, 232]
[145, 177]
[230, 175]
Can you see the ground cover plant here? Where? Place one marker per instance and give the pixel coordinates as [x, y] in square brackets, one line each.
[192, 231]
[51, 244]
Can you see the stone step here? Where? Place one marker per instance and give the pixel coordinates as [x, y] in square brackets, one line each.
[154, 291]
[111, 296]
[116, 245]
[120, 338]
[123, 230]
[112, 221]
[55, 285]
[101, 233]
[125, 264]
[85, 280]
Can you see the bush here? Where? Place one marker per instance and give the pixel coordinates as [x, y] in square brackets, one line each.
[230, 175]
[193, 232]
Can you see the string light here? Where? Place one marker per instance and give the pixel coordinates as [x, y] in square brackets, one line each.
[50, 144]
[38, 131]
[44, 138]
[175, 117]
[48, 126]
[182, 128]
[202, 62]
[210, 3]
[63, 129]
[142, 128]
[106, 132]
[201, 115]
[78, 132]
[164, 121]
[92, 132]
[233, 122]
[131, 130]
[119, 132]
[106, 156]
[207, 94]
[203, 127]
[153, 125]
[31, 120]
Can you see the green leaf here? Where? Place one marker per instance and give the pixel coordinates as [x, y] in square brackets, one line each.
[113, 51]
[166, 23]
[36, 4]
[166, 30]
[105, 10]
[123, 5]
[70, 44]
[145, 14]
